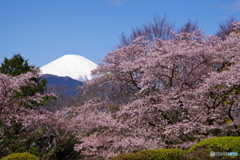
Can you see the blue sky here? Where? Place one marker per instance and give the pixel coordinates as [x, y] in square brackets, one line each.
[44, 30]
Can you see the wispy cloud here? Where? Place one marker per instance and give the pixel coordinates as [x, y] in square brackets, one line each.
[234, 7]
[116, 2]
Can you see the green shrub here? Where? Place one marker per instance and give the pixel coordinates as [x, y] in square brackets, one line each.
[130, 156]
[20, 156]
[154, 154]
[199, 151]
[219, 144]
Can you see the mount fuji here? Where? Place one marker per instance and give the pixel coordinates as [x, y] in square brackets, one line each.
[73, 66]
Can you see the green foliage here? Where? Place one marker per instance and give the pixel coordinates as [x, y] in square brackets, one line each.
[18, 142]
[199, 151]
[41, 146]
[15, 66]
[219, 144]
[130, 156]
[20, 156]
[154, 154]
[65, 150]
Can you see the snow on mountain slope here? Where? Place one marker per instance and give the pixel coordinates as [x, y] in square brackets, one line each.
[74, 66]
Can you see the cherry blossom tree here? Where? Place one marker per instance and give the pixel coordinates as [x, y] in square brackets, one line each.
[12, 108]
[18, 65]
[163, 93]
[33, 128]
[52, 133]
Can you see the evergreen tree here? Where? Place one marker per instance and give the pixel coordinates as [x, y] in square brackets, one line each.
[15, 66]
[18, 65]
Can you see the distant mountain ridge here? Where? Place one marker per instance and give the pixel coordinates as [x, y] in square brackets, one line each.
[74, 66]
[59, 82]
[56, 80]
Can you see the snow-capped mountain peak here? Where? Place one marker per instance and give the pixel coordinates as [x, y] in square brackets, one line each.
[74, 66]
